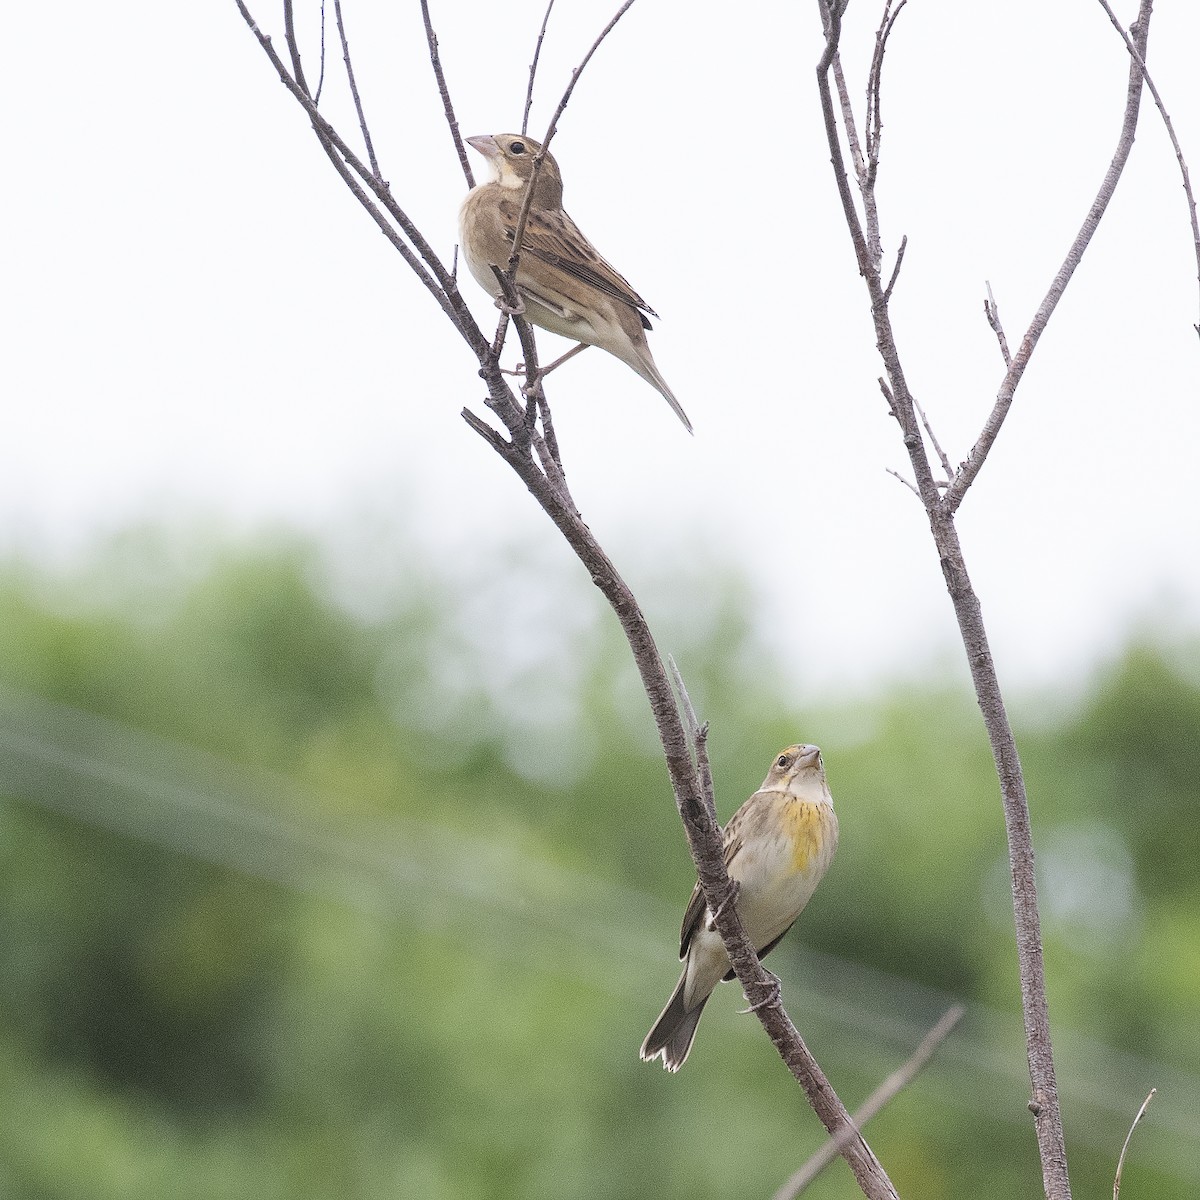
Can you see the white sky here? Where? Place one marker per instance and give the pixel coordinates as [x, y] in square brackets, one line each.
[199, 321]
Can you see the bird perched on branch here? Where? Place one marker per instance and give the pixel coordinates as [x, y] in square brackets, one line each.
[778, 845]
[564, 284]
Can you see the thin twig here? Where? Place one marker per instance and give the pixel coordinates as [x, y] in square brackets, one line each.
[444, 92]
[933, 440]
[1138, 57]
[698, 734]
[1141, 1112]
[321, 72]
[887, 291]
[546, 443]
[289, 32]
[854, 146]
[1016, 369]
[537, 53]
[358, 108]
[874, 121]
[992, 311]
[895, 1083]
[908, 483]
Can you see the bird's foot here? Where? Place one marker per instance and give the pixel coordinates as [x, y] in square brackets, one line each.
[562, 358]
[513, 310]
[774, 994]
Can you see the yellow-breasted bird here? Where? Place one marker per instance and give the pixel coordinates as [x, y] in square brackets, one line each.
[778, 845]
[564, 283]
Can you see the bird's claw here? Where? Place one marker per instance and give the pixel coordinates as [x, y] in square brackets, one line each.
[512, 310]
[774, 994]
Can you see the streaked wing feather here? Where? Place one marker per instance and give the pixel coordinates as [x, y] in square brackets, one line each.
[558, 243]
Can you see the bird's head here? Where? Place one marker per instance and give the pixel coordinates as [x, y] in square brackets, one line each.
[796, 769]
[510, 157]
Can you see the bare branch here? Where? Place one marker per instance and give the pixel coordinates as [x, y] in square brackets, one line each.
[874, 121]
[321, 72]
[546, 444]
[908, 483]
[1141, 1112]
[895, 1083]
[289, 33]
[1016, 370]
[933, 441]
[887, 291]
[698, 734]
[1048, 1118]
[854, 147]
[1138, 56]
[358, 108]
[537, 53]
[991, 310]
[444, 92]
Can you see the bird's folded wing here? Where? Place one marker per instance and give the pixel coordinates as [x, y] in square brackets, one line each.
[696, 907]
[555, 240]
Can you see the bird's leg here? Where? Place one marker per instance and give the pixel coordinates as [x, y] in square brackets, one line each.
[773, 996]
[562, 358]
[519, 369]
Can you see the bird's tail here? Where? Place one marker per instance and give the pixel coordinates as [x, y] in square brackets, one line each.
[652, 376]
[671, 1037]
[639, 359]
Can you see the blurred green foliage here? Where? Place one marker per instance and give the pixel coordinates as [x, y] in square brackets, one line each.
[314, 890]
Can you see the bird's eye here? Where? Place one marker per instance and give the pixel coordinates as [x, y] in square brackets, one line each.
[782, 761]
[517, 147]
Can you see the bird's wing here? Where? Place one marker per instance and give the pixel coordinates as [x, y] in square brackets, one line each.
[554, 239]
[696, 908]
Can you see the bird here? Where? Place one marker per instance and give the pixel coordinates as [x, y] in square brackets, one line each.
[565, 285]
[778, 846]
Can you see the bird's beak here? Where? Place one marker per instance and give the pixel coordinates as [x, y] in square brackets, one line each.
[810, 758]
[485, 144]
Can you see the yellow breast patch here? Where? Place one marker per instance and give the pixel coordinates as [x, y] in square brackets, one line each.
[807, 829]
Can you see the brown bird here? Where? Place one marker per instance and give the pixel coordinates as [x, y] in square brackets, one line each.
[778, 845]
[564, 283]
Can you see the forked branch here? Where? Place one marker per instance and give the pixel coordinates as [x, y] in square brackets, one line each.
[940, 509]
[1020, 360]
